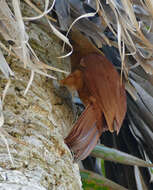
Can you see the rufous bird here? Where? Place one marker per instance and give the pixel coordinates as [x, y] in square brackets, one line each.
[101, 90]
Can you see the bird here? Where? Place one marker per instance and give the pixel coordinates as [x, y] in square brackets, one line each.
[101, 90]
[135, 136]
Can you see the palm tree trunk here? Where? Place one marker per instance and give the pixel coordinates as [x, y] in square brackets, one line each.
[40, 159]
[32, 150]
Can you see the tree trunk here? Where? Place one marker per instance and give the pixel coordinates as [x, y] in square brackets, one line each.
[32, 150]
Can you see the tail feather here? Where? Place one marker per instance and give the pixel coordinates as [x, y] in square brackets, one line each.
[85, 140]
[83, 152]
[84, 135]
[86, 119]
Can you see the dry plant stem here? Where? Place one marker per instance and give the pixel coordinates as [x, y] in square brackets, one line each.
[39, 11]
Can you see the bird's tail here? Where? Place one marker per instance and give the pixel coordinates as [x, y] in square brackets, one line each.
[84, 135]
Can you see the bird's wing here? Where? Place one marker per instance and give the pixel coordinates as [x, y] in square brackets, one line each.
[104, 84]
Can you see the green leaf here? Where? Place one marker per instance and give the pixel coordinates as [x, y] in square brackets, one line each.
[94, 181]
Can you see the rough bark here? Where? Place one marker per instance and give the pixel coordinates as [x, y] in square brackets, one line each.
[35, 125]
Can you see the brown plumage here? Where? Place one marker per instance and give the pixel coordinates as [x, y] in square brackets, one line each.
[100, 89]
